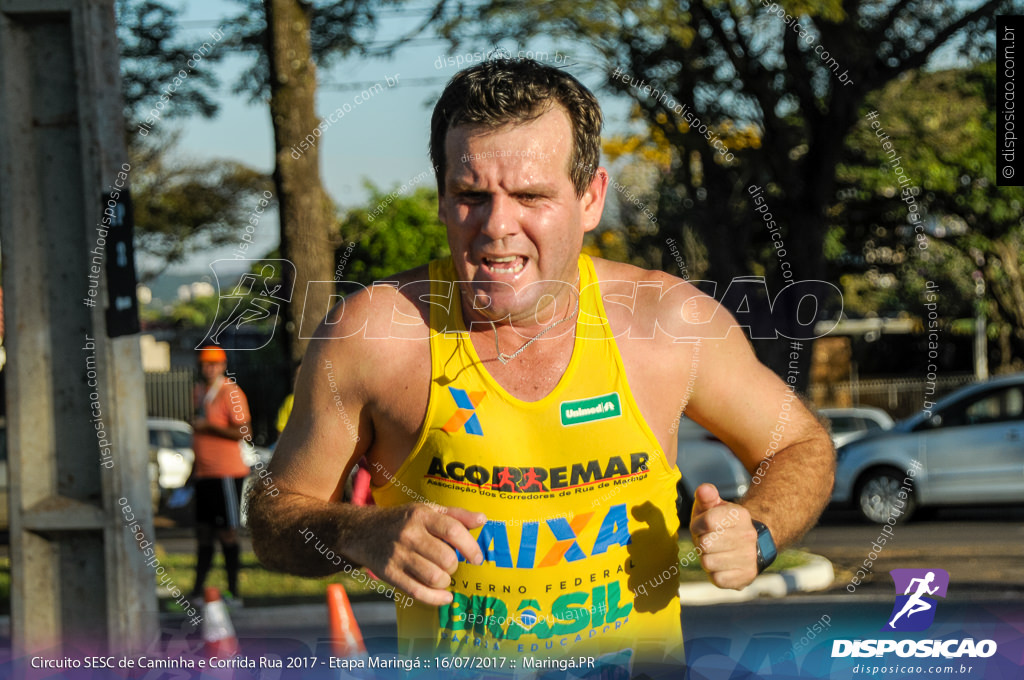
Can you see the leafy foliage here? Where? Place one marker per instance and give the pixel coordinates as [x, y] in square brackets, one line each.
[197, 312]
[337, 28]
[152, 55]
[182, 207]
[942, 132]
[404, 232]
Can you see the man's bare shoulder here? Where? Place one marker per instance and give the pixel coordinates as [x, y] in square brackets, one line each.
[611, 273]
[657, 299]
[378, 336]
[390, 309]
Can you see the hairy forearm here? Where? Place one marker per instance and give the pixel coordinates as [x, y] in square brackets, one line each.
[793, 489]
[294, 533]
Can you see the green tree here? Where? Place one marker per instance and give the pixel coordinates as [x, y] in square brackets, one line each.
[195, 313]
[290, 39]
[942, 131]
[183, 207]
[393, 232]
[151, 56]
[742, 64]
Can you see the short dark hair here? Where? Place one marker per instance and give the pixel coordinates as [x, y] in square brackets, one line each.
[501, 91]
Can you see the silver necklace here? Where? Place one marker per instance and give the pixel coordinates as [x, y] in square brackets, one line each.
[505, 358]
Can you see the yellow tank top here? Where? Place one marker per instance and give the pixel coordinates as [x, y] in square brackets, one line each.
[580, 540]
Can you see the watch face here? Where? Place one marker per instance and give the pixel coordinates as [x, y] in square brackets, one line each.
[766, 551]
[766, 546]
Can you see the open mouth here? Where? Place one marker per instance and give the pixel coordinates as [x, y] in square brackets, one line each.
[509, 265]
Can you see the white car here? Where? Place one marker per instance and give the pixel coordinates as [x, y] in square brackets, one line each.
[849, 424]
[172, 457]
[170, 449]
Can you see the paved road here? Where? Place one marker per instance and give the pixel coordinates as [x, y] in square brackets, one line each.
[982, 550]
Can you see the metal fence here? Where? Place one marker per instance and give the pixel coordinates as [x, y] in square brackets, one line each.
[169, 394]
[901, 397]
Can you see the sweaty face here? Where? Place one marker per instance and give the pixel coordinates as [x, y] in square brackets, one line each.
[515, 225]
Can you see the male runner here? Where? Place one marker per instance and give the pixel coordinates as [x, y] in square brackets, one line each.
[516, 384]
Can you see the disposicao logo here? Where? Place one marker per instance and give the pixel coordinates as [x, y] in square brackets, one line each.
[915, 608]
[914, 611]
[465, 414]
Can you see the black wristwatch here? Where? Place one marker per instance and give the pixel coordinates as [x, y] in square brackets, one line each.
[766, 552]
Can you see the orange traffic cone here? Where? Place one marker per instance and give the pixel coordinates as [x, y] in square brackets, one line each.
[346, 638]
[218, 634]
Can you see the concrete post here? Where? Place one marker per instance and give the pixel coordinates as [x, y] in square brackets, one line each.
[76, 419]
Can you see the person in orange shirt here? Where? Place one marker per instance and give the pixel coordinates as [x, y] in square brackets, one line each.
[222, 420]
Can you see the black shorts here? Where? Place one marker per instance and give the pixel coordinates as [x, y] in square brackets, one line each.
[217, 501]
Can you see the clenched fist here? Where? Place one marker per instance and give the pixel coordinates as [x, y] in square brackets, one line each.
[413, 547]
[726, 538]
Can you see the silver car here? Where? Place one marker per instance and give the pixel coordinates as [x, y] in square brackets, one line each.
[966, 449]
[848, 424]
[170, 443]
[701, 458]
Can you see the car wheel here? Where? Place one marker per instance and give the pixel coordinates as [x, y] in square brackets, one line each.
[878, 498]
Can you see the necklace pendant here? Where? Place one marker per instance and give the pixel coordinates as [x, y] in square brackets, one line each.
[505, 358]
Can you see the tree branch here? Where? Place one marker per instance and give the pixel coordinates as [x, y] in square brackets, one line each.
[919, 58]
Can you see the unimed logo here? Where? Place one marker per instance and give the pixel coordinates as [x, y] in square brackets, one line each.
[589, 410]
[914, 611]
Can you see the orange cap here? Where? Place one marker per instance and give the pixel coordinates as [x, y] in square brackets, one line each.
[213, 354]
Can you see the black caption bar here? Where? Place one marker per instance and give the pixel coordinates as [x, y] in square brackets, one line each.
[1009, 157]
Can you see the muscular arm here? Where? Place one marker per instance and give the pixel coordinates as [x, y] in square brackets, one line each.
[313, 458]
[331, 427]
[788, 453]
